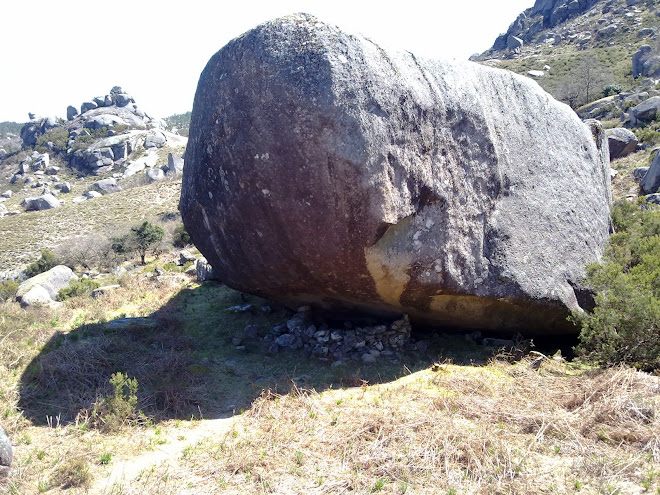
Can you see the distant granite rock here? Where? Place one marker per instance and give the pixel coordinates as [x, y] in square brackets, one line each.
[174, 164]
[651, 181]
[621, 142]
[45, 202]
[51, 281]
[646, 62]
[106, 186]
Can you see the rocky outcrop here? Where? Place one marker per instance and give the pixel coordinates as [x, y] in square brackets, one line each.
[544, 15]
[323, 170]
[155, 175]
[49, 283]
[174, 164]
[621, 142]
[646, 62]
[204, 271]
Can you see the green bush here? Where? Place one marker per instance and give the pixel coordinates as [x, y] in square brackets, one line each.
[47, 261]
[612, 89]
[180, 238]
[118, 409]
[8, 290]
[59, 136]
[81, 287]
[625, 324]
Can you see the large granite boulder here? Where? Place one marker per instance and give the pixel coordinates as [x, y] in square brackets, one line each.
[323, 170]
[645, 112]
[44, 202]
[52, 281]
[621, 142]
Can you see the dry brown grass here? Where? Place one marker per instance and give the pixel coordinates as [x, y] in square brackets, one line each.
[499, 429]
[624, 184]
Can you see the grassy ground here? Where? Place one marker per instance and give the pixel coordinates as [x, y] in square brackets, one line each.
[23, 236]
[299, 425]
[624, 185]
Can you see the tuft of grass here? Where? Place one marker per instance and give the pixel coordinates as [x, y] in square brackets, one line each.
[72, 473]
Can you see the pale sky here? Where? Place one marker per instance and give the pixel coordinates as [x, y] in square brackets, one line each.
[59, 53]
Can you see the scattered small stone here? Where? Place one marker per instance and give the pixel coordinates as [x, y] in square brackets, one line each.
[186, 257]
[285, 340]
[251, 332]
[241, 308]
[103, 290]
[350, 342]
[368, 358]
[237, 341]
[240, 348]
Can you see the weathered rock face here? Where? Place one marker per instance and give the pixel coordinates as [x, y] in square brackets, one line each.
[544, 14]
[6, 453]
[646, 62]
[651, 180]
[324, 170]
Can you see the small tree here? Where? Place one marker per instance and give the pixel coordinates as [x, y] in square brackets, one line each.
[145, 236]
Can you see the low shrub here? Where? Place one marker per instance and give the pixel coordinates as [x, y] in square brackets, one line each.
[8, 290]
[118, 409]
[72, 473]
[58, 136]
[47, 261]
[180, 238]
[81, 287]
[612, 89]
[625, 324]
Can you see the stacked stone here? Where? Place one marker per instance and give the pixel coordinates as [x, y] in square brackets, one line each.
[365, 343]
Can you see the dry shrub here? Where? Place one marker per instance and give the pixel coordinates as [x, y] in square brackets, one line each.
[499, 429]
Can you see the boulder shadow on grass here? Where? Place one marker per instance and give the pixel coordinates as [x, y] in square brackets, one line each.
[187, 363]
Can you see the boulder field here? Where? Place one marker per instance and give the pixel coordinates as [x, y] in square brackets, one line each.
[323, 170]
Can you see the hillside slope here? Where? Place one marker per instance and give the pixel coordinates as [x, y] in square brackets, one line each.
[574, 49]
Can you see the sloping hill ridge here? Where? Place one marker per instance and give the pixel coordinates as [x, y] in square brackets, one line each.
[577, 48]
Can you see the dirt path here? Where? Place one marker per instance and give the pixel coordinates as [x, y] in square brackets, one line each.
[125, 471]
